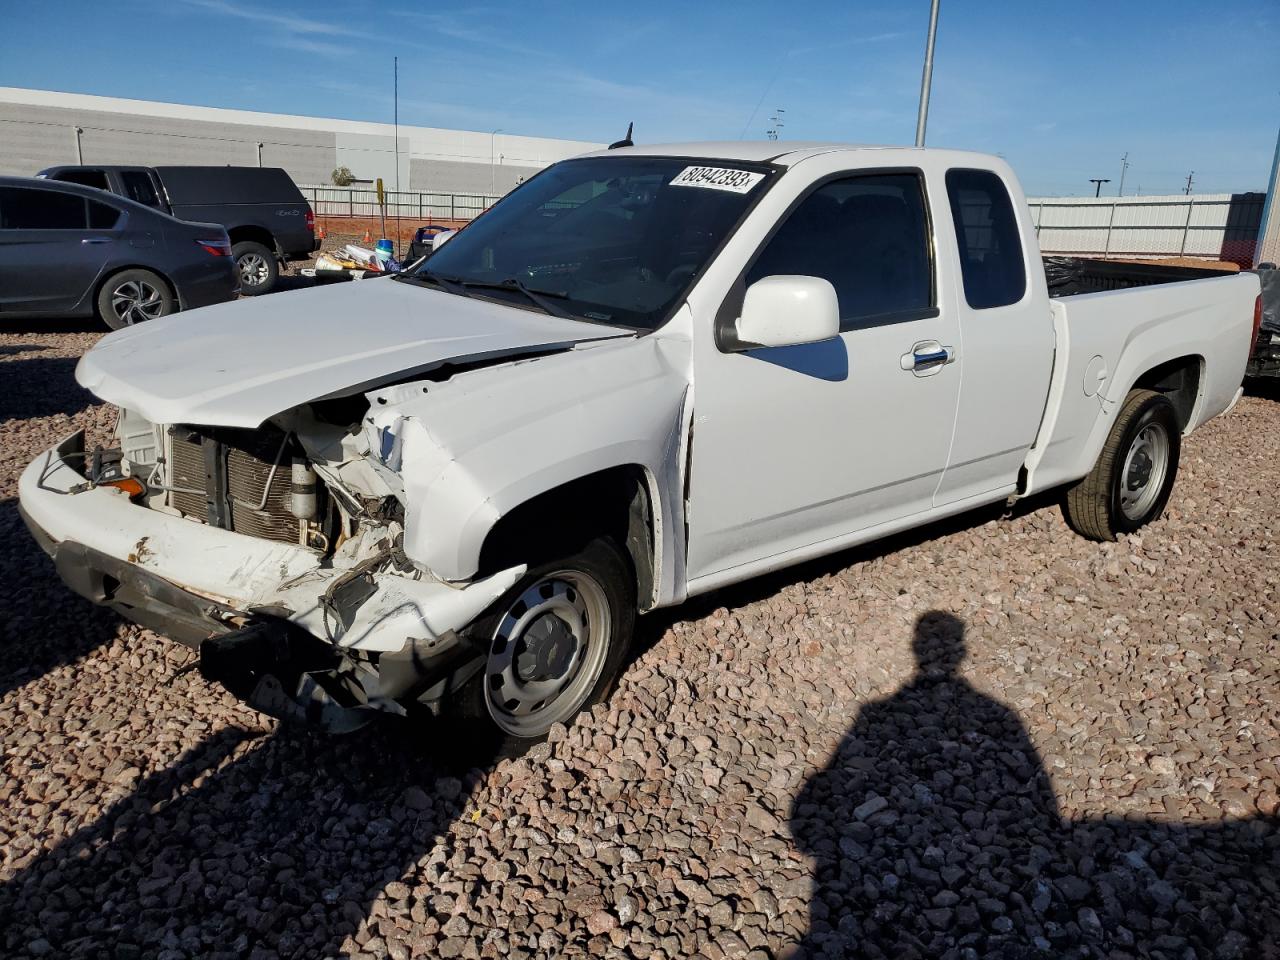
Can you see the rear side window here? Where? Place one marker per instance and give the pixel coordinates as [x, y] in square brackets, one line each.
[22, 208]
[137, 186]
[869, 236]
[102, 216]
[987, 234]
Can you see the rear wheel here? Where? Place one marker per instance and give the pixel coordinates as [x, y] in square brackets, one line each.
[1131, 482]
[553, 645]
[257, 267]
[133, 296]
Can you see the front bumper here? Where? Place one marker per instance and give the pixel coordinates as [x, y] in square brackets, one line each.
[136, 595]
[252, 606]
[112, 550]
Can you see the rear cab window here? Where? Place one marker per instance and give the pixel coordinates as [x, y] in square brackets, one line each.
[137, 186]
[86, 178]
[987, 235]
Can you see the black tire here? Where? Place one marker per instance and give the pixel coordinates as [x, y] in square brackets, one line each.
[133, 296]
[473, 708]
[256, 266]
[1114, 498]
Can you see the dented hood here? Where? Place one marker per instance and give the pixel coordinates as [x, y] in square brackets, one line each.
[237, 364]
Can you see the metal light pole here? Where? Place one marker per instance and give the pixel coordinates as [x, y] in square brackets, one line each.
[491, 181]
[79, 149]
[926, 80]
[395, 66]
[260, 146]
[1099, 182]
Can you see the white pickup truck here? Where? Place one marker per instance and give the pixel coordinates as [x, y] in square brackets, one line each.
[644, 374]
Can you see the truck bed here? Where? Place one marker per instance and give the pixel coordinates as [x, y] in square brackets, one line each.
[1068, 276]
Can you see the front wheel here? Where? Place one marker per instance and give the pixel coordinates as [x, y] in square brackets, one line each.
[1131, 482]
[553, 645]
[257, 267]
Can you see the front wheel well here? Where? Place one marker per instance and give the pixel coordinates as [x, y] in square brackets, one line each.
[1179, 380]
[615, 502]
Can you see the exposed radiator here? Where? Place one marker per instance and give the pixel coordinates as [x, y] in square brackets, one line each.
[222, 477]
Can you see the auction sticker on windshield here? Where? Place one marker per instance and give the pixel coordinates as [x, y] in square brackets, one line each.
[717, 178]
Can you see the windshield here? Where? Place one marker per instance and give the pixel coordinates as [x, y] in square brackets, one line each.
[613, 240]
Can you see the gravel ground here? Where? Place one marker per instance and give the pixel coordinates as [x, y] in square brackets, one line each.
[988, 739]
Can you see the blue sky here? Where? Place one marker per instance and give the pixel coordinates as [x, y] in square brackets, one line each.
[1062, 90]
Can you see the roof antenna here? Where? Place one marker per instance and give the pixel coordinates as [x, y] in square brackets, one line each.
[625, 141]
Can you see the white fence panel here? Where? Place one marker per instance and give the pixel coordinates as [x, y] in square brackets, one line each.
[1221, 225]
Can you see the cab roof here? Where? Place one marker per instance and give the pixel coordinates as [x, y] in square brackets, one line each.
[784, 153]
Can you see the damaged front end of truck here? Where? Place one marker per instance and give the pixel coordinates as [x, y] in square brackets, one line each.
[277, 552]
[323, 531]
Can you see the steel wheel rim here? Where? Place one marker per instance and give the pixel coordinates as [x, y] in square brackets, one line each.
[253, 269]
[1145, 466]
[547, 653]
[135, 301]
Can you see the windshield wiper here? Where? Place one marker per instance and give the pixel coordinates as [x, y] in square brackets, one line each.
[541, 299]
[449, 284]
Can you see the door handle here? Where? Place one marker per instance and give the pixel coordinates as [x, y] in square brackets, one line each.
[927, 357]
[925, 360]
[88, 240]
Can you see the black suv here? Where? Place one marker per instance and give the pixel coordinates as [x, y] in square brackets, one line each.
[262, 209]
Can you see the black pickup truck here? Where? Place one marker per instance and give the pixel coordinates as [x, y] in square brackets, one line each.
[262, 209]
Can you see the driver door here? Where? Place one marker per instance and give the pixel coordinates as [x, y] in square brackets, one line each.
[795, 449]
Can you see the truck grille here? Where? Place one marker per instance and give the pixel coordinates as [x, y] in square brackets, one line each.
[221, 477]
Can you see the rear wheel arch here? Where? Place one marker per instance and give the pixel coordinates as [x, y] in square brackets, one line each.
[617, 502]
[254, 234]
[112, 273]
[1179, 380]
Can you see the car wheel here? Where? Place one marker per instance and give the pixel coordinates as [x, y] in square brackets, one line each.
[256, 266]
[133, 296]
[552, 645]
[1131, 482]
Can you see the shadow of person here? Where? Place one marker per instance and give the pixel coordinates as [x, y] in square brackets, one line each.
[935, 832]
[933, 819]
[247, 846]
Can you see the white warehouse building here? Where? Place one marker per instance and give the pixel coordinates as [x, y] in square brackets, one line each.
[43, 128]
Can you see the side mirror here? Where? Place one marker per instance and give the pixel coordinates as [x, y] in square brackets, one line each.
[440, 239]
[788, 310]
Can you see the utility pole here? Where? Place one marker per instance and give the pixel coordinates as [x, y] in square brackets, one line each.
[1189, 176]
[926, 78]
[1097, 192]
[1124, 166]
[395, 97]
[491, 180]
